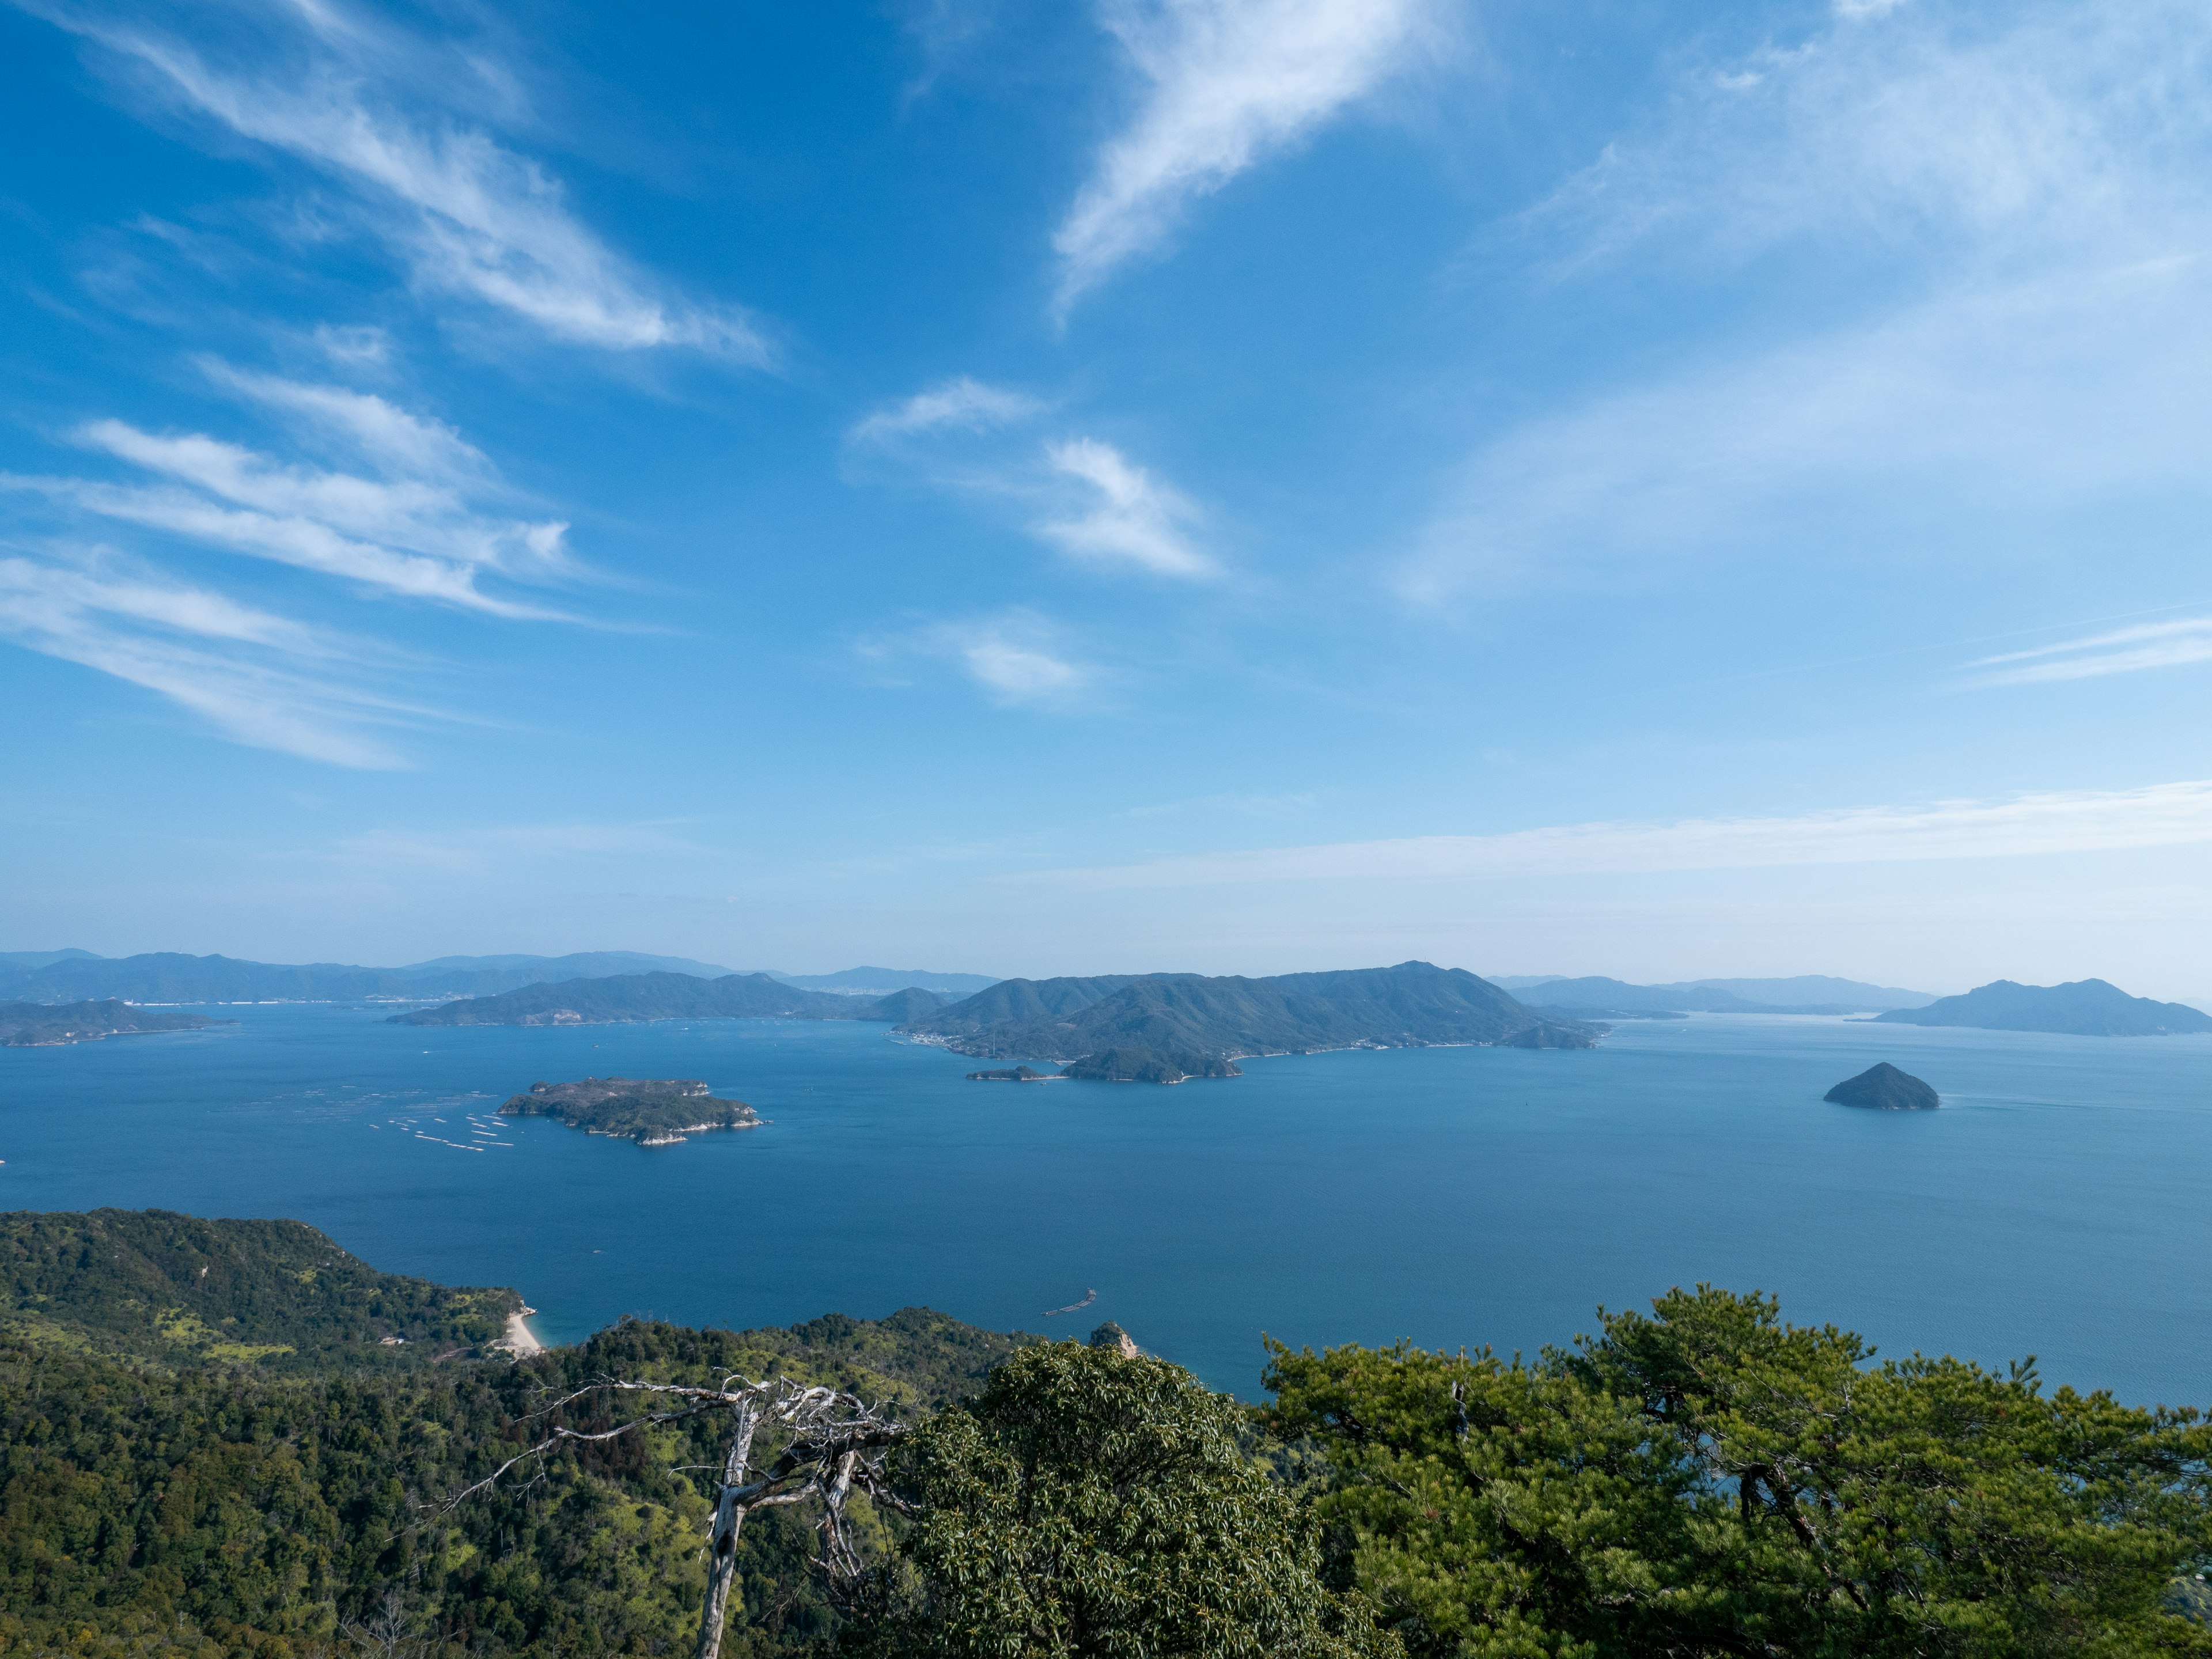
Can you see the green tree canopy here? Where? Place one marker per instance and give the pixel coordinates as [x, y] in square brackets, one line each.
[1708, 1480]
[1089, 1503]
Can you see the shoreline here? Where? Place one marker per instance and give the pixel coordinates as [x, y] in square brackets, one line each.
[521, 1340]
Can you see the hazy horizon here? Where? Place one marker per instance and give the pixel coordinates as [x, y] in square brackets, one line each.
[1250, 485]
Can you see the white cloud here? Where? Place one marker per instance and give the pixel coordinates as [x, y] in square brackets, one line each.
[401, 519]
[1227, 82]
[1124, 515]
[355, 347]
[469, 216]
[272, 688]
[2120, 651]
[381, 432]
[1857, 10]
[2033, 397]
[2080, 821]
[2022, 192]
[962, 404]
[1016, 657]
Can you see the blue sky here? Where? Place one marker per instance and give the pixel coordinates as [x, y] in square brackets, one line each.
[1235, 485]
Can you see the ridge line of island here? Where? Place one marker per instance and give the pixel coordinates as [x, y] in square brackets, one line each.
[1166, 1028]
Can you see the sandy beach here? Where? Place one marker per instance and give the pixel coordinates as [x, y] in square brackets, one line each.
[519, 1337]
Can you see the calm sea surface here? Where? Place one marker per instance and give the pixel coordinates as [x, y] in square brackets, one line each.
[2060, 1204]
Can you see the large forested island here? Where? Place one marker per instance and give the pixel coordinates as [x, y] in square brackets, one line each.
[2086, 1008]
[1195, 1022]
[624, 998]
[1149, 1027]
[42, 1025]
[652, 1111]
[1702, 1480]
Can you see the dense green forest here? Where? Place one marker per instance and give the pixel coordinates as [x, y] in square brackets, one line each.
[1701, 1480]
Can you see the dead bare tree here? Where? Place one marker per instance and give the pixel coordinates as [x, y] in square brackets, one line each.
[835, 1447]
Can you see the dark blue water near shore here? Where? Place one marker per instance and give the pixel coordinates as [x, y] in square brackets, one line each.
[2060, 1203]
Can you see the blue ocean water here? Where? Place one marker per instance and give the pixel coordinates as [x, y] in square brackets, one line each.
[2060, 1203]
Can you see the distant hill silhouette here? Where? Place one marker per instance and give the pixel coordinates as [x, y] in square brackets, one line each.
[1410, 1006]
[171, 977]
[2083, 1007]
[1808, 994]
[879, 982]
[625, 998]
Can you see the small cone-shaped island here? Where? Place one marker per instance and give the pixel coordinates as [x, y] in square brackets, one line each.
[1885, 1089]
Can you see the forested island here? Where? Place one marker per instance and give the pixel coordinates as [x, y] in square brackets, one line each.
[1197, 1024]
[2086, 1008]
[44, 1025]
[625, 998]
[652, 1111]
[1883, 1088]
[1702, 1480]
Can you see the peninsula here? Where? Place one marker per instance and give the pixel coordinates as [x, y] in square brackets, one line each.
[1195, 1025]
[42, 1024]
[2085, 1007]
[652, 1111]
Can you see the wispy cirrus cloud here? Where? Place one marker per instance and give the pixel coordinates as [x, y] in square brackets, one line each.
[405, 508]
[2023, 191]
[1226, 84]
[1016, 657]
[403, 520]
[2078, 821]
[1081, 496]
[961, 404]
[263, 680]
[1123, 515]
[2117, 650]
[398, 121]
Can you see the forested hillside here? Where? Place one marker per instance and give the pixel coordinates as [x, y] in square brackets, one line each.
[1191, 1017]
[153, 1284]
[1703, 1482]
[628, 997]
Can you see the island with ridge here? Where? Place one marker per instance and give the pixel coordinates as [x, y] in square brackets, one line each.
[652, 1111]
[1883, 1088]
[624, 999]
[1162, 1027]
[2085, 1007]
[45, 1024]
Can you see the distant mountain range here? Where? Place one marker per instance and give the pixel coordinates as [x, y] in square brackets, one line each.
[1807, 993]
[627, 998]
[879, 982]
[1193, 1019]
[1155, 1025]
[167, 976]
[2085, 1007]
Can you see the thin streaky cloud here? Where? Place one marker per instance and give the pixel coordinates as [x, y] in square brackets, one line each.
[961, 404]
[2186, 625]
[2080, 821]
[469, 216]
[1226, 84]
[157, 635]
[1016, 658]
[1122, 514]
[296, 541]
[2137, 649]
[372, 426]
